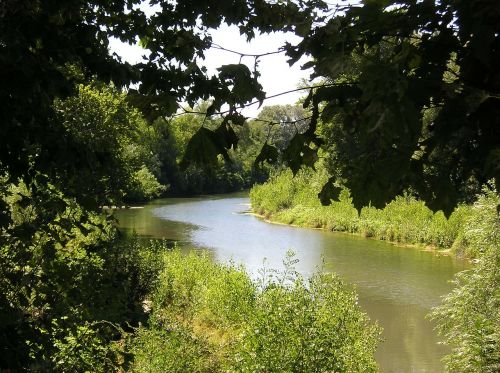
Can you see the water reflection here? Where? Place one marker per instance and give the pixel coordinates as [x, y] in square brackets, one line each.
[397, 286]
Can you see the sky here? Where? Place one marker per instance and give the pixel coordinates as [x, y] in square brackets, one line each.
[276, 74]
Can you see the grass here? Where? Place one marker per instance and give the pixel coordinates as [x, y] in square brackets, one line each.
[212, 317]
[405, 220]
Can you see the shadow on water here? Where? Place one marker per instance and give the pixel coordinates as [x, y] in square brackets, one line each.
[396, 286]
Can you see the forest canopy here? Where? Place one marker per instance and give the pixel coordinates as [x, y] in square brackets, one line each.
[404, 96]
[410, 88]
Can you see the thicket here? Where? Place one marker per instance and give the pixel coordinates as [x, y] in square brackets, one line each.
[115, 151]
[126, 159]
[213, 317]
[406, 220]
[69, 287]
[469, 318]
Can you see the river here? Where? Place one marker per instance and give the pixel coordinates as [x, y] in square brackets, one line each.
[397, 286]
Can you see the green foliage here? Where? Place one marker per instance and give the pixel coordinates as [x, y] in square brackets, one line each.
[158, 350]
[81, 347]
[292, 200]
[480, 224]
[147, 187]
[114, 148]
[65, 279]
[208, 316]
[385, 64]
[48, 47]
[469, 318]
[410, 97]
[307, 328]
[194, 286]
[287, 121]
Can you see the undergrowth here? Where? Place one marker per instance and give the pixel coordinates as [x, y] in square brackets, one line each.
[212, 317]
[405, 220]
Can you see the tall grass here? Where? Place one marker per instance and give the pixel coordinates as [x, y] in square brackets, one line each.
[405, 220]
[213, 317]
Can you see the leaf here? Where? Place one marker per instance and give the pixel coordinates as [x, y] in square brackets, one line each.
[329, 192]
[203, 149]
[154, 105]
[235, 118]
[298, 153]
[307, 100]
[268, 153]
[225, 136]
[212, 108]
[442, 195]
[310, 134]
[245, 87]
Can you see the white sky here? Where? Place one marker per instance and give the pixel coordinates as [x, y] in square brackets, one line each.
[276, 75]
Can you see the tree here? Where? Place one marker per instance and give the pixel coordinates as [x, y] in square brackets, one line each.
[113, 148]
[286, 121]
[45, 47]
[416, 57]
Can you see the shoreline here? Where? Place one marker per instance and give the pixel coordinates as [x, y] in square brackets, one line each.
[421, 247]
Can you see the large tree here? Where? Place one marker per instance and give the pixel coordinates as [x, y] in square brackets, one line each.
[421, 107]
[417, 57]
[47, 46]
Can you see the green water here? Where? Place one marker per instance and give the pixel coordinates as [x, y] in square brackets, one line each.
[396, 286]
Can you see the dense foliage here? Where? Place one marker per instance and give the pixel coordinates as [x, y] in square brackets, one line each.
[414, 56]
[291, 200]
[469, 318]
[67, 285]
[390, 66]
[208, 317]
[82, 129]
[115, 144]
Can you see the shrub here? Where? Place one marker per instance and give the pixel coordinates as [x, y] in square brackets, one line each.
[469, 318]
[299, 328]
[169, 349]
[209, 316]
[475, 234]
[145, 186]
[289, 199]
[65, 277]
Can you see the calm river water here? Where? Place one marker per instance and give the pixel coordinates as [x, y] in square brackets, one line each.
[397, 286]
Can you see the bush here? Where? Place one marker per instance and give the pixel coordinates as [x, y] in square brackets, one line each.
[145, 186]
[469, 318]
[169, 349]
[65, 278]
[299, 328]
[210, 316]
[293, 200]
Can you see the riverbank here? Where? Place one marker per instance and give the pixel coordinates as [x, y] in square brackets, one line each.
[422, 247]
[405, 221]
[396, 287]
[207, 316]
